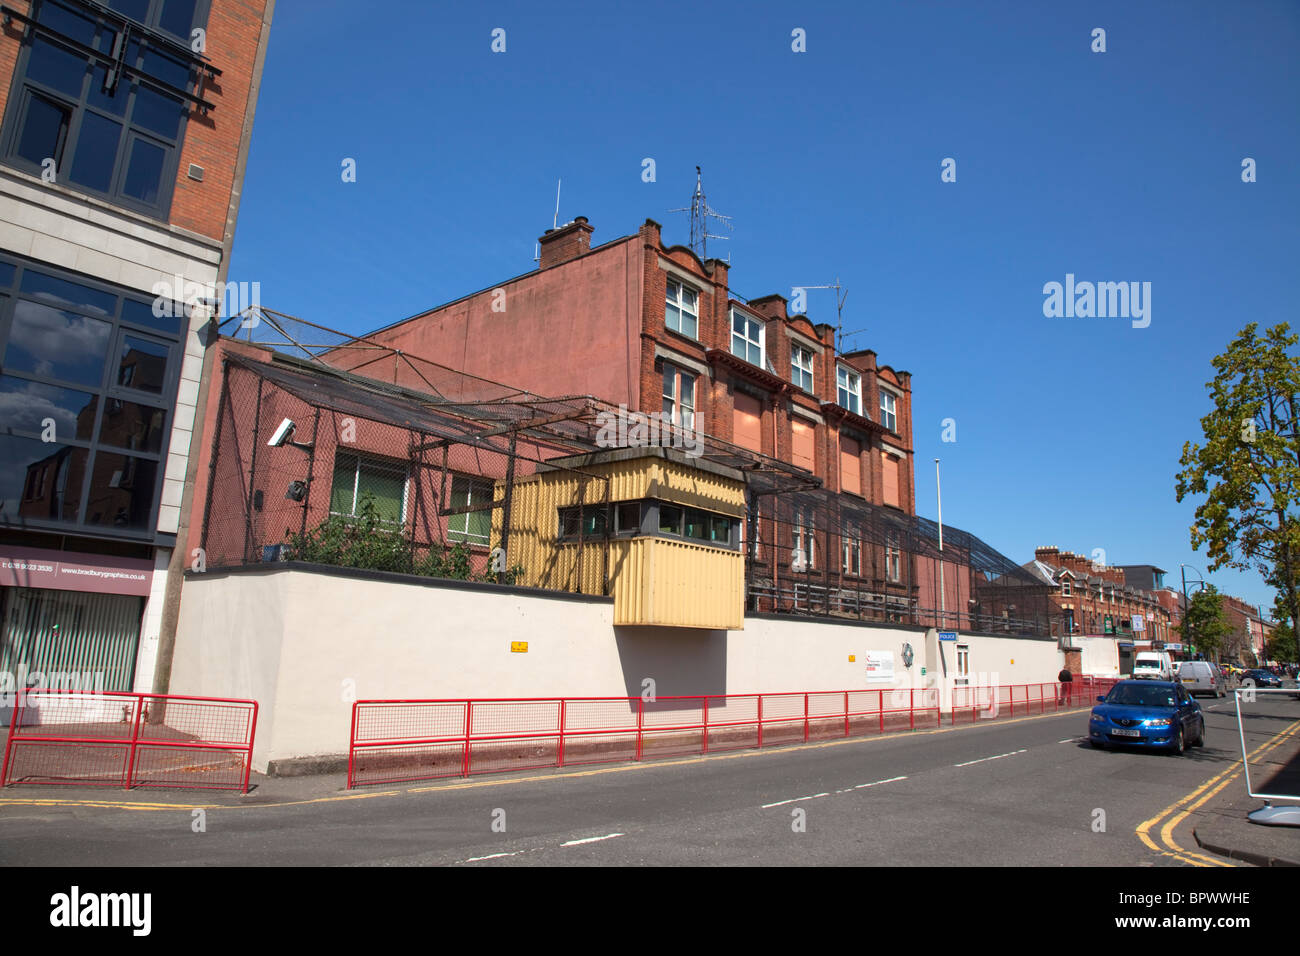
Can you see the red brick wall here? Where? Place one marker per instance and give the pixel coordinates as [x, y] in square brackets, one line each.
[10, 44]
[212, 141]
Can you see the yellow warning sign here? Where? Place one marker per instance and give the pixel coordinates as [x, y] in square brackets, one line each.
[518, 647]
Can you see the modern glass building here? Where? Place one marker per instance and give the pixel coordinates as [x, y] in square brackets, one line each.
[124, 129]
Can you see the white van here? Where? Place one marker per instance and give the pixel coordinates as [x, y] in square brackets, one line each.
[1153, 665]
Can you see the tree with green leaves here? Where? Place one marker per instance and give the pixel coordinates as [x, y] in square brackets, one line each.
[1281, 645]
[1205, 625]
[1249, 467]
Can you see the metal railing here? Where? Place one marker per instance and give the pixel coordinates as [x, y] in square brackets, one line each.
[125, 739]
[406, 740]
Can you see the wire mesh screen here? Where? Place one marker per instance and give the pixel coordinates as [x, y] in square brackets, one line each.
[816, 552]
[367, 476]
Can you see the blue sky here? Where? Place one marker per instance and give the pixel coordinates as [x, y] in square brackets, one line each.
[1115, 166]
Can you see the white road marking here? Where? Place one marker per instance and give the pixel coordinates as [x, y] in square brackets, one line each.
[1068, 740]
[997, 757]
[607, 836]
[876, 783]
[493, 856]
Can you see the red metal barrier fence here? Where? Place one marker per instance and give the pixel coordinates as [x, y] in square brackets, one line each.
[123, 739]
[406, 740]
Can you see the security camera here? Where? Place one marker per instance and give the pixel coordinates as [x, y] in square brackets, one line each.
[281, 436]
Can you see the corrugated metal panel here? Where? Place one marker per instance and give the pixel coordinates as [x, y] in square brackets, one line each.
[677, 584]
[653, 580]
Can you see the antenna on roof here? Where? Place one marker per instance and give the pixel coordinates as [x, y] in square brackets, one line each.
[701, 212]
[841, 294]
[555, 220]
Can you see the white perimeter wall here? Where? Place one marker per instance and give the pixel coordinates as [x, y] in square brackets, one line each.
[306, 644]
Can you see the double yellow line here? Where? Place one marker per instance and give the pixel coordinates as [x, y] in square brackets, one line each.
[1171, 816]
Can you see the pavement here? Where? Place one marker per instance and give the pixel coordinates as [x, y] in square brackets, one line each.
[1221, 825]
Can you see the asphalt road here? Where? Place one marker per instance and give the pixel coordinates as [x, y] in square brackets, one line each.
[1007, 793]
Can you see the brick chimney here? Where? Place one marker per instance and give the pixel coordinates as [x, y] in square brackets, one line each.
[567, 242]
[1048, 555]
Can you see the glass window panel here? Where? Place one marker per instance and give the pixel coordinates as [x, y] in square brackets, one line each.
[114, 102]
[156, 112]
[25, 406]
[472, 527]
[55, 344]
[71, 24]
[627, 517]
[178, 17]
[670, 519]
[143, 364]
[56, 67]
[131, 425]
[96, 152]
[166, 68]
[386, 485]
[140, 313]
[135, 9]
[697, 525]
[44, 130]
[7, 273]
[121, 492]
[144, 170]
[66, 294]
[39, 480]
[343, 487]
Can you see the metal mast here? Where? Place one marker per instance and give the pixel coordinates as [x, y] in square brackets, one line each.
[701, 212]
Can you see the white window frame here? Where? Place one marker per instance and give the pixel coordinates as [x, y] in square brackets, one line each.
[465, 537]
[745, 340]
[379, 462]
[853, 550]
[889, 412]
[805, 538]
[797, 369]
[674, 398]
[854, 391]
[893, 564]
[678, 302]
[1066, 590]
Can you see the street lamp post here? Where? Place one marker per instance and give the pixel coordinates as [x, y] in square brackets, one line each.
[943, 606]
[1182, 569]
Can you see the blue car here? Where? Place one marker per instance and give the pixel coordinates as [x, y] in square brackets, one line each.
[1156, 715]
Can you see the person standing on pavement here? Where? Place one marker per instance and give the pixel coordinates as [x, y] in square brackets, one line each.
[1064, 679]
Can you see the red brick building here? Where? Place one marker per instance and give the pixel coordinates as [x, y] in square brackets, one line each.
[634, 321]
[1092, 600]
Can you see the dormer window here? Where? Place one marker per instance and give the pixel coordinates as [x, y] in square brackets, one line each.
[747, 338]
[889, 410]
[1065, 588]
[848, 389]
[681, 309]
[801, 367]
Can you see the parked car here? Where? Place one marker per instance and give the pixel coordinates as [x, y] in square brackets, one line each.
[1201, 677]
[1157, 715]
[1262, 678]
